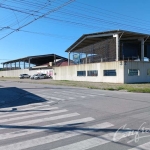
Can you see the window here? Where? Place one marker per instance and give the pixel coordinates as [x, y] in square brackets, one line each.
[133, 72]
[148, 72]
[81, 73]
[109, 72]
[92, 73]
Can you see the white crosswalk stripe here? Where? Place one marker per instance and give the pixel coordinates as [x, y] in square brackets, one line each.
[29, 106]
[64, 95]
[34, 115]
[89, 143]
[145, 146]
[47, 127]
[81, 93]
[50, 97]
[22, 125]
[25, 112]
[43, 119]
[52, 138]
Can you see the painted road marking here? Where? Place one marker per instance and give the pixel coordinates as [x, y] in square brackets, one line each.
[52, 138]
[33, 115]
[25, 112]
[42, 120]
[145, 146]
[32, 131]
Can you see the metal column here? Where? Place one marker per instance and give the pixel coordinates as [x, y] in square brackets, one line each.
[29, 63]
[6, 66]
[24, 65]
[142, 49]
[55, 59]
[69, 59]
[19, 64]
[15, 65]
[117, 46]
[10, 66]
[86, 61]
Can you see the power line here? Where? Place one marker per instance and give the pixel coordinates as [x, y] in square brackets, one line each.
[68, 16]
[91, 18]
[53, 10]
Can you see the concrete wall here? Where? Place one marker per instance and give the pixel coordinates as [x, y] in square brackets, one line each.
[142, 67]
[70, 72]
[16, 73]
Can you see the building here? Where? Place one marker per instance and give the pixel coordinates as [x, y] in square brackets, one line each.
[32, 65]
[115, 56]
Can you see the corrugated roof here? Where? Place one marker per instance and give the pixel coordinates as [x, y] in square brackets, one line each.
[38, 59]
[88, 39]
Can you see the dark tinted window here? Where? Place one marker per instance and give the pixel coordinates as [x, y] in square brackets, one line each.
[92, 73]
[133, 72]
[109, 72]
[81, 73]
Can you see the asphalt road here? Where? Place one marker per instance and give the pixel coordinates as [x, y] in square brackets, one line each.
[46, 117]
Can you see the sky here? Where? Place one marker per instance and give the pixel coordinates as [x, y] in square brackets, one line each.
[51, 26]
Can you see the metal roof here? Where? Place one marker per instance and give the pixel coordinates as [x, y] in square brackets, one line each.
[38, 59]
[88, 39]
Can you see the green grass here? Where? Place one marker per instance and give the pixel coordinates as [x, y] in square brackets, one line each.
[138, 88]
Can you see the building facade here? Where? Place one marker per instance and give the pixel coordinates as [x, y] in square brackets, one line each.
[114, 56]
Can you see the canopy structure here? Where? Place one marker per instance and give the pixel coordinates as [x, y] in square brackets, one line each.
[34, 60]
[88, 39]
[108, 46]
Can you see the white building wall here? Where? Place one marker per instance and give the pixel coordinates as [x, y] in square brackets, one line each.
[142, 67]
[70, 72]
[16, 73]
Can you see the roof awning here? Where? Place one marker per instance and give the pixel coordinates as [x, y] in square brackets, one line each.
[89, 39]
[37, 60]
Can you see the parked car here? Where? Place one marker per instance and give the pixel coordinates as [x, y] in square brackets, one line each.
[38, 76]
[32, 77]
[22, 76]
[47, 76]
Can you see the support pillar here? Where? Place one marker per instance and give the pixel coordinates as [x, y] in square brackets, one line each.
[55, 59]
[69, 59]
[142, 49]
[117, 46]
[86, 60]
[3, 66]
[6, 66]
[19, 64]
[29, 63]
[15, 65]
[10, 66]
[24, 65]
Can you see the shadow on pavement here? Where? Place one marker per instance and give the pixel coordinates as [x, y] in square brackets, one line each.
[76, 128]
[13, 97]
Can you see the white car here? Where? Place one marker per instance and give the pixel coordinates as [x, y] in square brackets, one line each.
[32, 77]
[22, 76]
[38, 76]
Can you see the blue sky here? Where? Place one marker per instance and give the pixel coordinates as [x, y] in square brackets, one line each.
[55, 32]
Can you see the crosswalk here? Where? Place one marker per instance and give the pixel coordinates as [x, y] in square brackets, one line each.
[64, 95]
[41, 124]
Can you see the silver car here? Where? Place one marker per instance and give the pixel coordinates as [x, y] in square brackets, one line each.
[22, 76]
[38, 76]
[32, 77]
